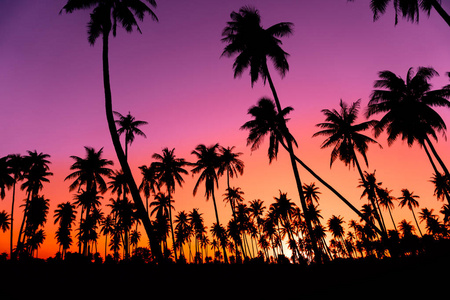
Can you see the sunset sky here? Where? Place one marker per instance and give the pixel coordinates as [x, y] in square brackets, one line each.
[173, 76]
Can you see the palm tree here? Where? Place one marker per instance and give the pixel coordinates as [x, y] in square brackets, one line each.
[6, 180]
[36, 217]
[129, 125]
[107, 228]
[148, 183]
[346, 137]
[207, 164]
[182, 230]
[16, 164]
[441, 186]
[196, 222]
[246, 37]
[89, 172]
[409, 199]
[371, 186]
[65, 216]
[169, 170]
[36, 171]
[408, 9]
[408, 107]
[386, 200]
[336, 229]
[230, 163]
[311, 193]
[406, 228]
[105, 17]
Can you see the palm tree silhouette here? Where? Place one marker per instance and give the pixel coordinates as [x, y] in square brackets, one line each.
[311, 193]
[207, 164]
[182, 230]
[230, 163]
[441, 186]
[386, 200]
[346, 137]
[16, 164]
[65, 215]
[105, 17]
[407, 105]
[7, 181]
[107, 228]
[409, 199]
[129, 125]
[162, 207]
[169, 170]
[336, 229]
[149, 182]
[89, 172]
[408, 9]
[36, 171]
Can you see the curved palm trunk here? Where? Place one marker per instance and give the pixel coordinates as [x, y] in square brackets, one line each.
[290, 150]
[218, 223]
[154, 244]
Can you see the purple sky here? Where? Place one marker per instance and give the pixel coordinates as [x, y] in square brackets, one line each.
[173, 77]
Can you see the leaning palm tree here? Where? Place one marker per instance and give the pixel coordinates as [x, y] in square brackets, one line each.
[129, 125]
[105, 17]
[207, 164]
[16, 164]
[409, 199]
[169, 170]
[408, 9]
[408, 109]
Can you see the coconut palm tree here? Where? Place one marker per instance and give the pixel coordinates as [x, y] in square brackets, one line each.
[441, 186]
[230, 164]
[36, 217]
[207, 164]
[6, 180]
[107, 228]
[36, 171]
[16, 164]
[336, 229]
[246, 38]
[105, 17]
[408, 109]
[408, 9]
[346, 137]
[129, 125]
[65, 215]
[371, 186]
[386, 200]
[169, 170]
[182, 230]
[409, 199]
[148, 183]
[311, 193]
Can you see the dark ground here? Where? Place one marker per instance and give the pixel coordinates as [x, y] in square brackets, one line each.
[415, 278]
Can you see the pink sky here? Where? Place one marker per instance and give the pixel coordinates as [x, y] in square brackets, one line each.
[173, 77]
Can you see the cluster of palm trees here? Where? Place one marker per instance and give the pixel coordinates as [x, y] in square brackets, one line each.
[408, 112]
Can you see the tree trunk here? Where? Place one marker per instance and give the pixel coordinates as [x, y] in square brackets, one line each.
[154, 244]
[441, 11]
[171, 225]
[218, 224]
[414, 215]
[12, 220]
[290, 149]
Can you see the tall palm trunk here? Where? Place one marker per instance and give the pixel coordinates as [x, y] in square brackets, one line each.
[12, 220]
[154, 244]
[290, 149]
[225, 257]
[171, 226]
[417, 223]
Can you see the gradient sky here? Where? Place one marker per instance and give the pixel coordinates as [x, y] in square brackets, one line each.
[173, 77]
